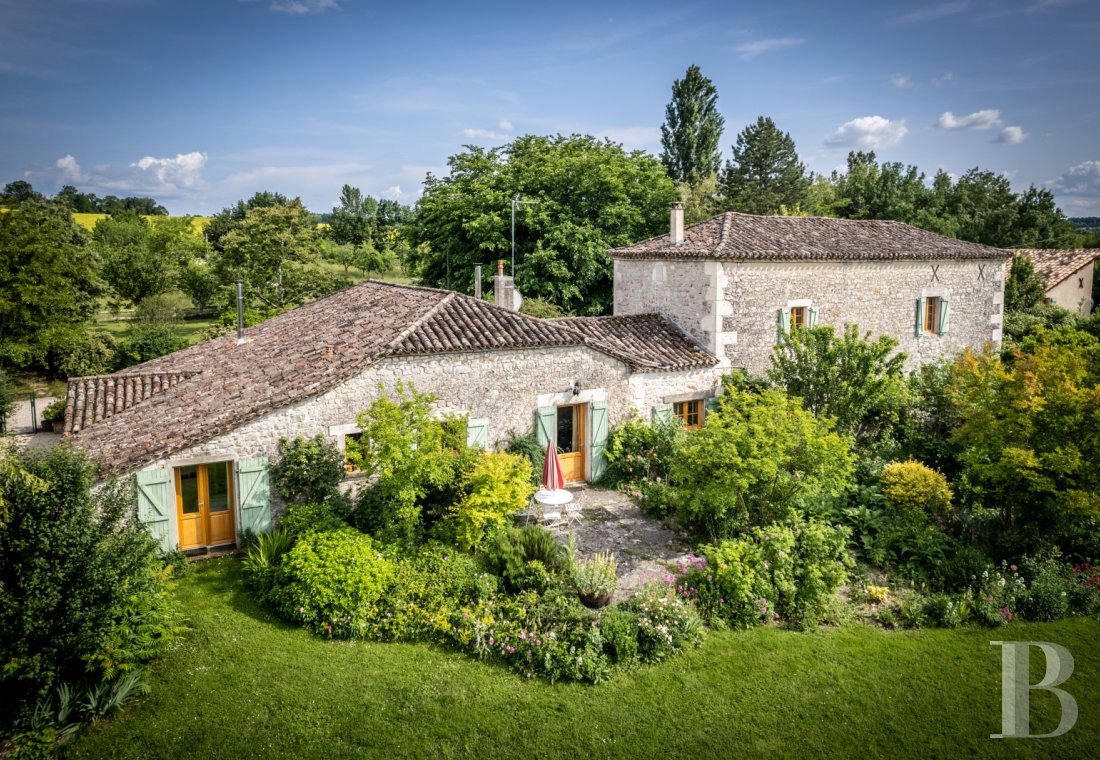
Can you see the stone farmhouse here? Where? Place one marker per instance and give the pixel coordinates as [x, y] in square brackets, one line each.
[735, 281]
[1066, 274]
[199, 427]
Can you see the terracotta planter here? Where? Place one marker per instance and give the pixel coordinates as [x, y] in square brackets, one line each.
[595, 602]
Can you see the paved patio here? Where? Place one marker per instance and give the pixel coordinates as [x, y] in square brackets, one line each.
[609, 521]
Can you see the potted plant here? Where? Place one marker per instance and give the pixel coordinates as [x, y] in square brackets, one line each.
[53, 416]
[594, 578]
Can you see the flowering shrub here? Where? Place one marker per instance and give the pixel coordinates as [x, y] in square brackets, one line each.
[790, 570]
[498, 485]
[666, 623]
[913, 488]
[333, 583]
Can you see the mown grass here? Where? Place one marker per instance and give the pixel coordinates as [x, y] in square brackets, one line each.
[244, 684]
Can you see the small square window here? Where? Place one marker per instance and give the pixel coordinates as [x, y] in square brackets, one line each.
[354, 452]
[932, 314]
[690, 413]
[798, 316]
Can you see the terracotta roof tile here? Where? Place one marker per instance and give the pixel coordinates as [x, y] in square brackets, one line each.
[1055, 265]
[744, 237]
[644, 341]
[176, 401]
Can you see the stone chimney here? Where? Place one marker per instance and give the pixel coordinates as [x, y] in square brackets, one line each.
[504, 288]
[676, 224]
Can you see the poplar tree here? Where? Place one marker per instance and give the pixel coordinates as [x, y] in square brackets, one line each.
[692, 130]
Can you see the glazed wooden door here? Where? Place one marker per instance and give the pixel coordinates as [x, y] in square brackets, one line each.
[570, 440]
[204, 502]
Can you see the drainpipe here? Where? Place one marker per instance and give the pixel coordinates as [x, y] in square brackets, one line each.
[240, 312]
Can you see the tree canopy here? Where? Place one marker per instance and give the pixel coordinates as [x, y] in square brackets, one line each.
[692, 130]
[143, 258]
[589, 196]
[48, 281]
[764, 173]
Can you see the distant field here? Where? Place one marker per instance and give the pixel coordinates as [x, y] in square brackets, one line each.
[88, 221]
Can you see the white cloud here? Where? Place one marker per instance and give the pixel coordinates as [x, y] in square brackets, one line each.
[942, 80]
[1079, 189]
[933, 12]
[632, 137]
[70, 169]
[303, 7]
[1011, 136]
[901, 81]
[987, 119]
[750, 50]
[505, 125]
[183, 171]
[868, 133]
[394, 192]
[483, 134]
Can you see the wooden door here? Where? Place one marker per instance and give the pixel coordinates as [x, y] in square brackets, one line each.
[571, 440]
[204, 504]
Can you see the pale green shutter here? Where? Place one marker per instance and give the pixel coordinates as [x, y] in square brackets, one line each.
[255, 495]
[784, 323]
[546, 422]
[711, 405]
[944, 304]
[813, 316]
[599, 438]
[920, 317]
[156, 499]
[477, 433]
[662, 413]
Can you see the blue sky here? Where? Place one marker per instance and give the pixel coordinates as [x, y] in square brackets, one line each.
[201, 103]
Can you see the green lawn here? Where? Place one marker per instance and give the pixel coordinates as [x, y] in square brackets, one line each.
[246, 685]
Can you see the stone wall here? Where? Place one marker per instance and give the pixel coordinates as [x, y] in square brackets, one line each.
[1075, 292]
[651, 388]
[505, 387]
[879, 296]
[680, 290]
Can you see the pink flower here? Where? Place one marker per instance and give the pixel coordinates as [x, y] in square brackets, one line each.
[491, 641]
[709, 577]
[1012, 568]
[1007, 613]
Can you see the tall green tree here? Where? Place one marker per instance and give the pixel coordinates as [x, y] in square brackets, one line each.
[142, 257]
[591, 196]
[268, 250]
[692, 130]
[17, 192]
[1024, 290]
[48, 281]
[880, 191]
[765, 172]
[230, 217]
[352, 221]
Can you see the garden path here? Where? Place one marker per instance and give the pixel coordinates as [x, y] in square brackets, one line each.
[643, 546]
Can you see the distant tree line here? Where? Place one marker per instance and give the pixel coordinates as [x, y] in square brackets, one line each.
[764, 175]
[55, 276]
[82, 203]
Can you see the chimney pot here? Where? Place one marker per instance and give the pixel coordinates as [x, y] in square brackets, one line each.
[676, 224]
[500, 267]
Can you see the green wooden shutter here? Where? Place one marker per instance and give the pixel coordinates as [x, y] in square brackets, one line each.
[784, 323]
[599, 439]
[477, 433]
[944, 304]
[662, 413]
[813, 316]
[546, 422]
[156, 499]
[255, 495]
[919, 328]
[711, 404]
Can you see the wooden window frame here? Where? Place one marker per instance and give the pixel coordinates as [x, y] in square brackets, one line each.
[932, 315]
[689, 412]
[800, 316]
[350, 470]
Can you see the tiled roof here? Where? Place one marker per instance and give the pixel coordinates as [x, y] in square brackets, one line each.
[645, 341]
[176, 401]
[1054, 265]
[744, 237]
